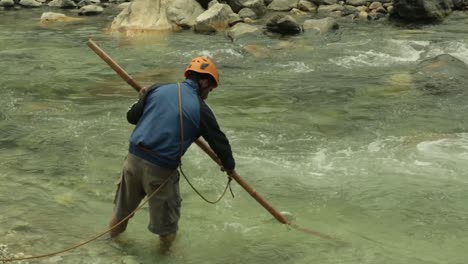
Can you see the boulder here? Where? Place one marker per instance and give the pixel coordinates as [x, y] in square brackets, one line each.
[307, 6]
[283, 5]
[144, 15]
[357, 2]
[321, 25]
[184, 12]
[326, 10]
[90, 10]
[30, 3]
[51, 17]
[247, 13]
[216, 18]
[7, 3]
[257, 6]
[241, 29]
[421, 10]
[257, 51]
[63, 4]
[284, 25]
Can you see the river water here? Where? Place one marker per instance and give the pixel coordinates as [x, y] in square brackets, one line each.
[330, 129]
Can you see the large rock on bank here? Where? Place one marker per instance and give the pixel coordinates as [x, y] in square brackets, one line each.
[144, 15]
[422, 10]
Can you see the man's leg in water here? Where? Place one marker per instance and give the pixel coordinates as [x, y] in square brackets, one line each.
[166, 241]
[128, 195]
[118, 229]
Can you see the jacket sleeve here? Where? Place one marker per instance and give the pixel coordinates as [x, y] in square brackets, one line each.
[217, 140]
[135, 111]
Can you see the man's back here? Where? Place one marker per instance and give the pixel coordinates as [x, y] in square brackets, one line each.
[156, 136]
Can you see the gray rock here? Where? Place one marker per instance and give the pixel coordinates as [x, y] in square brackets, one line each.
[247, 12]
[143, 15]
[123, 5]
[183, 13]
[374, 15]
[349, 9]
[381, 10]
[422, 10]
[51, 17]
[329, 2]
[326, 10]
[258, 6]
[307, 6]
[283, 5]
[90, 10]
[7, 3]
[66, 4]
[441, 75]
[375, 5]
[214, 19]
[321, 25]
[29, 3]
[283, 24]
[297, 12]
[357, 2]
[235, 18]
[240, 30]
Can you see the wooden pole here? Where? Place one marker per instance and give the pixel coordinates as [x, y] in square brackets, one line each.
[203, 145]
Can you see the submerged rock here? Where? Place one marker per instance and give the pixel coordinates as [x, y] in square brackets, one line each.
[440, 75]
[51, 17]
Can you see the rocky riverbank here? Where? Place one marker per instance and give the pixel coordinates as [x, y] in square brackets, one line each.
[242, 17]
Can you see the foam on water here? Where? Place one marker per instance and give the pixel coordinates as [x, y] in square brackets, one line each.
[451, 149]
[458, 49]
[218, 53]
[395, 51]
[296, 66]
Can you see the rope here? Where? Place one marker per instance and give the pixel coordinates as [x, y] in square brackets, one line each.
[94, 238]
[228, 185]
[181, 121]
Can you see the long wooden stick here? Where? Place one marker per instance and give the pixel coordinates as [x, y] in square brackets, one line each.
[203, 145]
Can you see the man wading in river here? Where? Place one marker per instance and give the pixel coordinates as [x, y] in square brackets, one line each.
[157, 145]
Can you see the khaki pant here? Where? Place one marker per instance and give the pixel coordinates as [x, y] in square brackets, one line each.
[141, 178]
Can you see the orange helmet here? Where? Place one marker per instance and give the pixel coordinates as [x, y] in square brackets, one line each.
[203, 65]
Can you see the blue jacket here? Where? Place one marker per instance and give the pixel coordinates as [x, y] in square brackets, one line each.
[156, 137]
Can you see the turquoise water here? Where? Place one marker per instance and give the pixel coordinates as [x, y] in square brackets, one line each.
[329, 129]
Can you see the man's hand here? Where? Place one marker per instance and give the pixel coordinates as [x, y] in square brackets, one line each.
[142, 91]
[230, 173]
